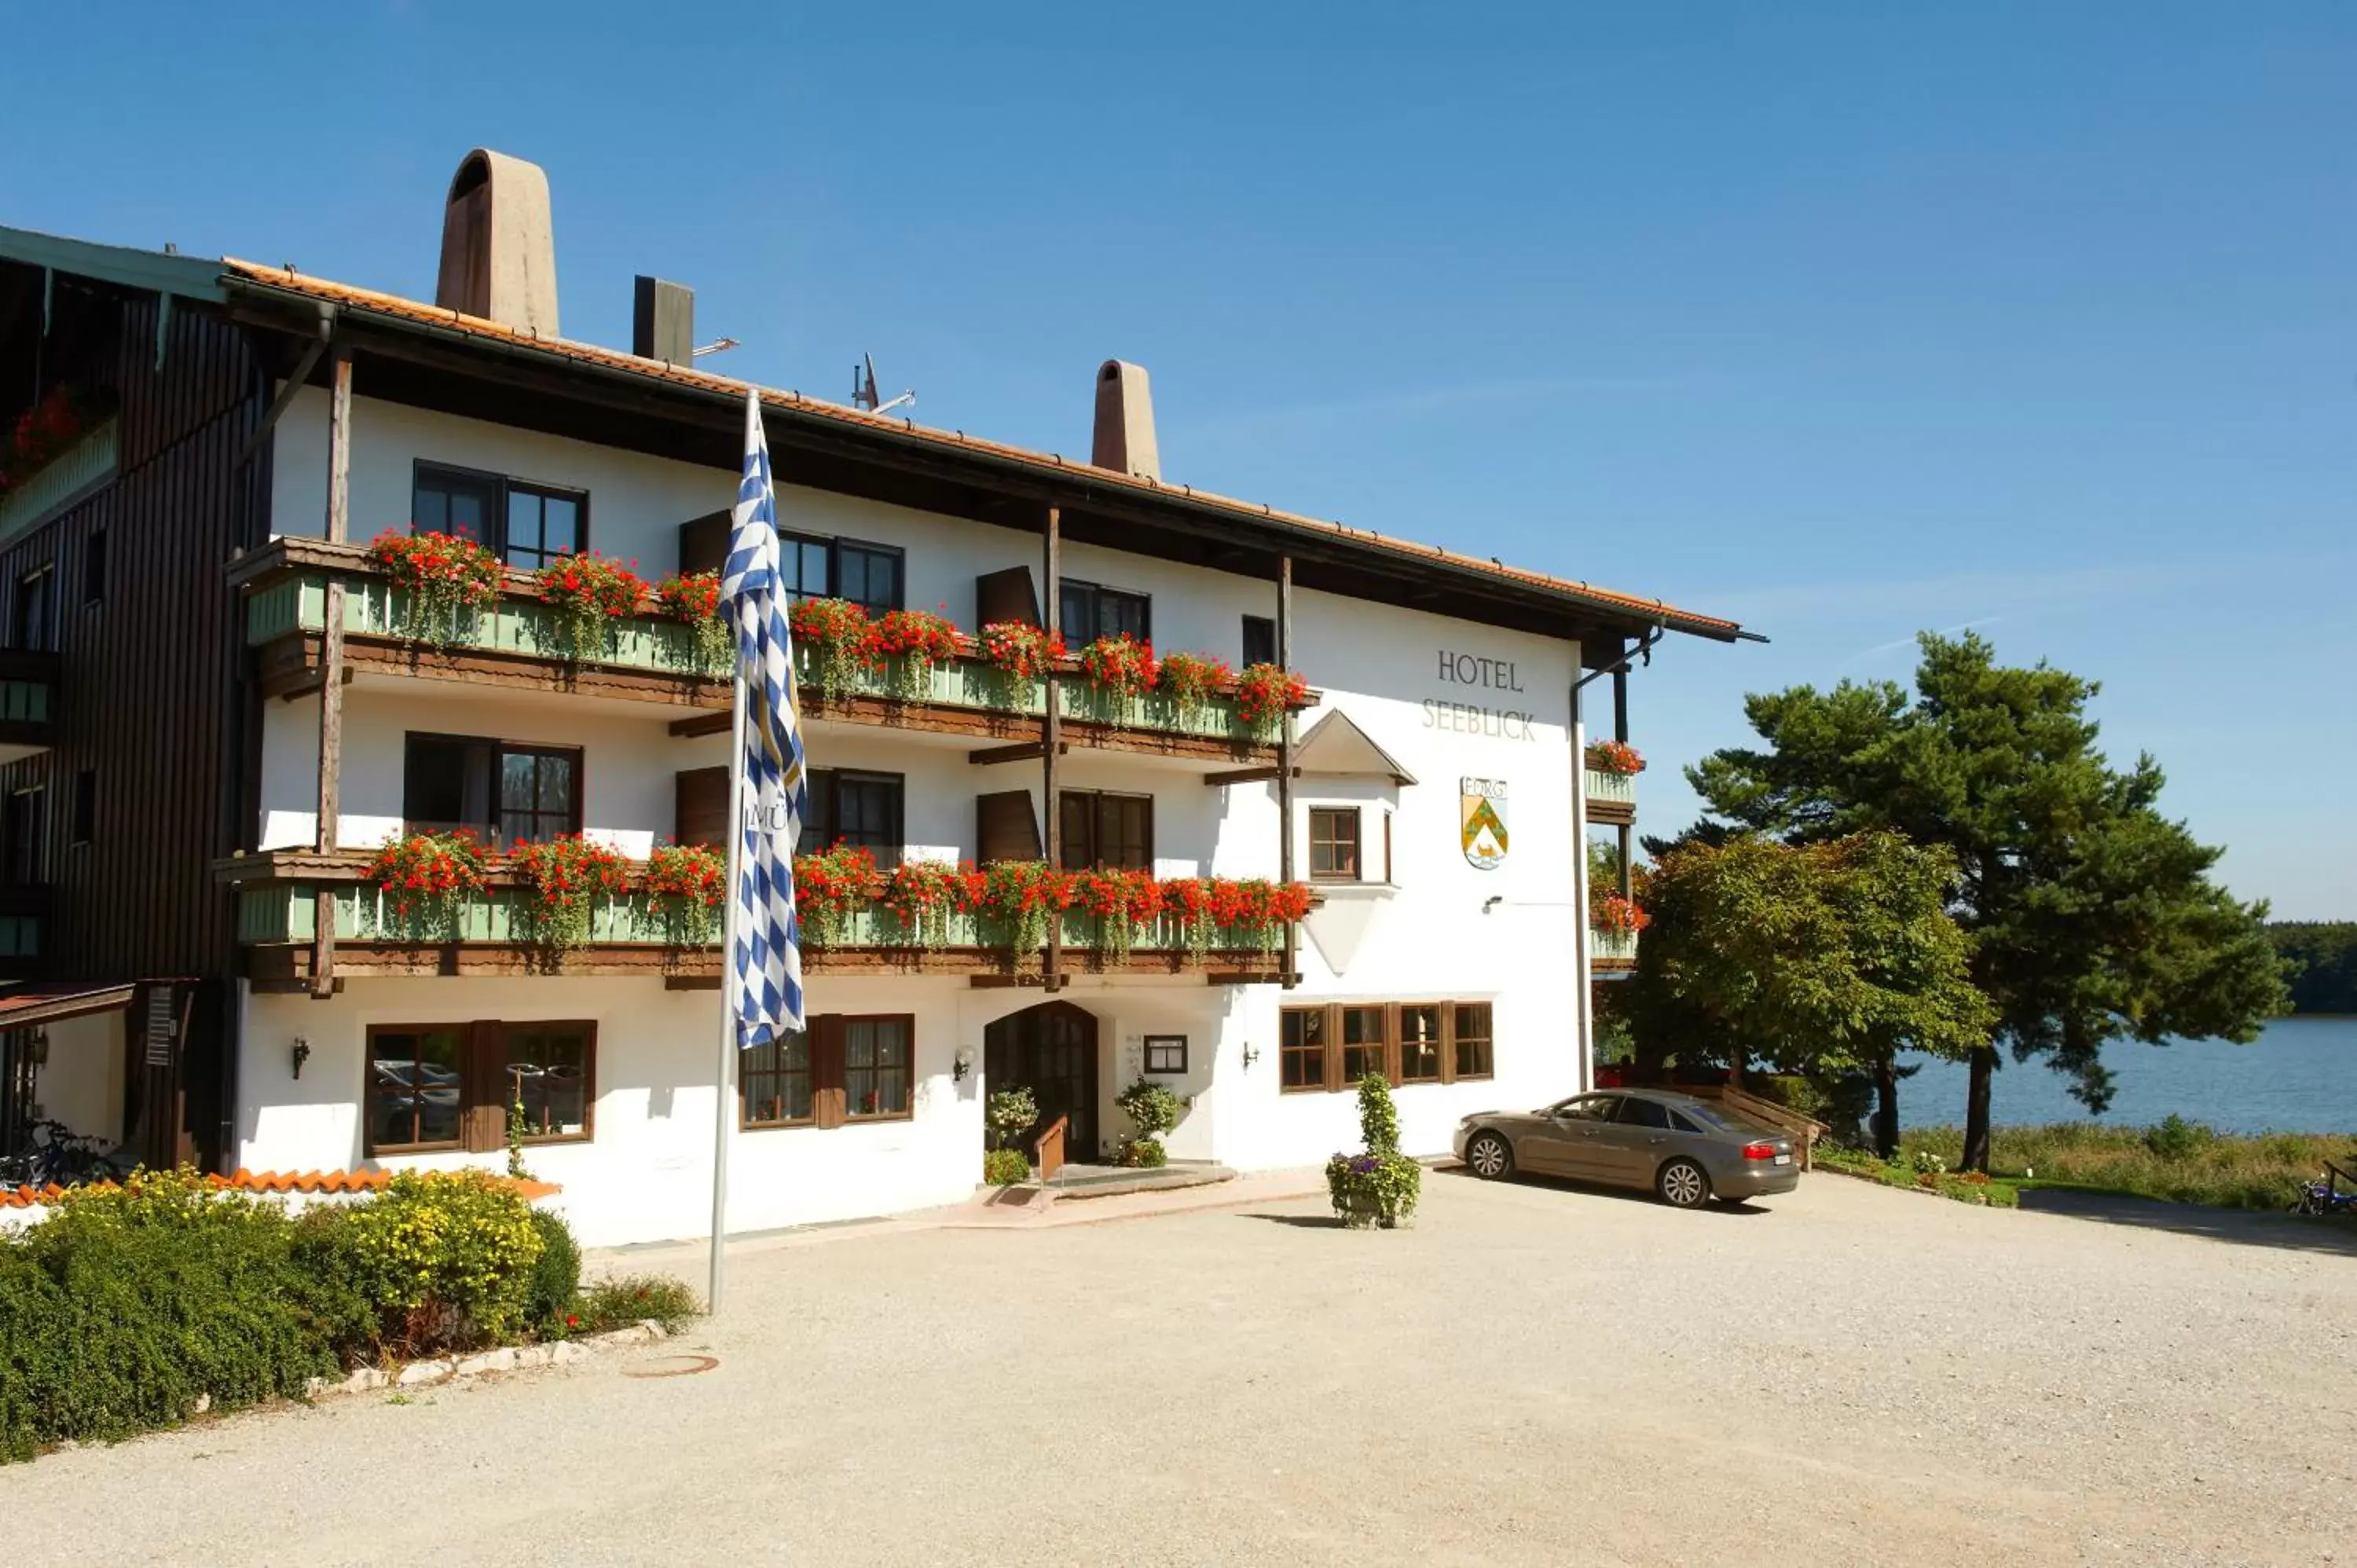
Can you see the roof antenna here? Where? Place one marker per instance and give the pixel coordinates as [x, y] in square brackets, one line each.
[863, 387]
[717, 345]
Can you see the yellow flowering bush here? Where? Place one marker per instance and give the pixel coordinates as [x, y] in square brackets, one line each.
[448, 1256]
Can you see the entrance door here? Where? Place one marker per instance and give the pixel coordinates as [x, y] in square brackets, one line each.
[1052, 1050]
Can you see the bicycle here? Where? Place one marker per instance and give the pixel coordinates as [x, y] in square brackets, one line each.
[56, 1155]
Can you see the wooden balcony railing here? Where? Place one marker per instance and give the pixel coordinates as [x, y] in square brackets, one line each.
[73, 473]
[1611, 951]
[1612, 797]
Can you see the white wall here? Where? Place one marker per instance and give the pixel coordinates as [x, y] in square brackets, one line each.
[81, 1083]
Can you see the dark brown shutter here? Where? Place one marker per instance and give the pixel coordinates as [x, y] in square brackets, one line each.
[1005, 596]
[828, 1099]
[700, 811]
[482, 1072]
[704, 543]
[1008, 828]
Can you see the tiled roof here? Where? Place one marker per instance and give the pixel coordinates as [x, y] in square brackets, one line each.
[291, 281]
[280, 1182]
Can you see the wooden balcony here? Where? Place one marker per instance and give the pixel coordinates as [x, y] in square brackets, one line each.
[28, 700]
[73, 474]
[1612, 797]
[517, 645]
[1611, 952]
[280, 895]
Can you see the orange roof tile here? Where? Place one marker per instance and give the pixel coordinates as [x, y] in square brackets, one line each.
[303, 283]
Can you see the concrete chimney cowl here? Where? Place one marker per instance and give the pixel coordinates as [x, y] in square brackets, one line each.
[498, 247]
[1125, 439]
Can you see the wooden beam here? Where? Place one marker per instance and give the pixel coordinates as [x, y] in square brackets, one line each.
[339, 453]
[691, 983]
[331, 676]
[1284, 756]
[701, 723]
[296, 381]
[1051, 733]
[1246, 775]
[1028, 751]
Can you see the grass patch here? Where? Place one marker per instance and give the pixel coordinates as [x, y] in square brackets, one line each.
[1970, 1186]
[626, 1299]
[2177, 1161]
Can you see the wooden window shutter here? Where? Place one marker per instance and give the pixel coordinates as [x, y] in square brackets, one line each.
[827, 1095]
[483, 1123]
[704, 543]
[1006, 595]
[1007, 828]
[700, 811]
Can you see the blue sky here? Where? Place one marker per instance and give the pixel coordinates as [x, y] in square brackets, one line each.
[1841, 319]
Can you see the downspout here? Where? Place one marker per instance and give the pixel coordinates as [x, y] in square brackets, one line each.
[1582, 946]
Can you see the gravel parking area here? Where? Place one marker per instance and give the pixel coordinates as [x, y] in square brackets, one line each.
[1533, 1374]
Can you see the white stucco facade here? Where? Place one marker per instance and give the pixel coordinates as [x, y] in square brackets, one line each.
[1448, 699]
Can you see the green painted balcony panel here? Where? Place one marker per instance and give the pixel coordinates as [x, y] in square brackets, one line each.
[81, 467]
[1618, 788]
[1612, 947]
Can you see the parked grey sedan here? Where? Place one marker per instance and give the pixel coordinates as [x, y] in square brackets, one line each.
[1683, 1148]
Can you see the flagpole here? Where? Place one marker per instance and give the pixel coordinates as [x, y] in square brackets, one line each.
[724, 1080]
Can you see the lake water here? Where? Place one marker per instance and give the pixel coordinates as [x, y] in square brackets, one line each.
[2298, 1076]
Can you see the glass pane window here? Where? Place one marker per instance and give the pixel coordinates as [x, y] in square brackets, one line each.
[413, 1089]
[776, 1082]
[34, 620]
[876, 1063]
[448, 502]
[803, 561]
[1260, 641]
[868, 576]
[1473, 1039]
[1090, 612]
[1302, 1044]
[548, 1068]
[536, 794]
[541, 526]
[1419, 1042]
[1334, 843]
[1363, 1041]
[862, 808]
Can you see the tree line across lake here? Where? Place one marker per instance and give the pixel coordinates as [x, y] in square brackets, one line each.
[2324, 956]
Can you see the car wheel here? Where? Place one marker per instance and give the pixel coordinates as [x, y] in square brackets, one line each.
[1490, 1157]
[1682, 1183]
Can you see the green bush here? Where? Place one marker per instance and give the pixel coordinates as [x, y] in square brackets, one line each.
[1382, 1186]
[2214, 1168]
[2176, 1139]
[1007, 1113]
[1005, 1167]
[1141, 1154]
[447, 1257]
[554, 1294]
[633, 1298]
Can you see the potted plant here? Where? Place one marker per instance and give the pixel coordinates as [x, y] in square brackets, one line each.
[1004, 1116]
[1121, 901]
[1380, 1187]
[429, 877]
[1018, 653]
[568, 875]
[1025, 895]
[908, 644]
[1119, 669]
[687, 883]
[921, 895]
[837, 633]
[1153, 1111]
[1617, 758]
[445, 574]
[1191, 680]
[693, 598]
[830, 887]
[588, 595]
[1265, 693]
[1612, 913]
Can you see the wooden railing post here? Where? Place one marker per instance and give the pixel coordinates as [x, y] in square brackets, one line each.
[1285, 761]
[331, 669]
[1051, 736]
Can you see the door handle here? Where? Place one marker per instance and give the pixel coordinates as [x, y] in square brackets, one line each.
[1653, 1140]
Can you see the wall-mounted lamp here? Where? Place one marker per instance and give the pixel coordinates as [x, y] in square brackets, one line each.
[302, 1054]
[962, 1064]
[1252, 1054]
[1491, 902]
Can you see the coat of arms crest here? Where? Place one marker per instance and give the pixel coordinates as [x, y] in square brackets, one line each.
[1481, 815]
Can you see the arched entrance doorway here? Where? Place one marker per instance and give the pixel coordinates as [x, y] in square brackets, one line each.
[1052, 1050]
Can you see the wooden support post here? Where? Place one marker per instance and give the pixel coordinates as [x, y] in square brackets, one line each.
[1620, 704]
[1052, 737]
[1628, 842]
[1285, 761]
[331, 672]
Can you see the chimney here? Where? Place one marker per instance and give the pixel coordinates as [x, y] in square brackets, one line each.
[662, 321]
[1124, 436]
[499, 253]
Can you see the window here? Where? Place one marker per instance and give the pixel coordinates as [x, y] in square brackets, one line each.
[1334, 843]
[1090, 612]
[1679, 1124]
[1589, 1108]
[774, 1083]
[526, 525]
[868, 576]
[451, 1086]
[21, 835]
[862, 808]
[94, 567]
[1407, 1042]
[35, 626]
[844, 1069]
[1636, 1112]
[1260, 641]
[1110, 833]
[508, 793]
[1166, 1053]
[1301, 1035]
[805, 563]
[85, 805]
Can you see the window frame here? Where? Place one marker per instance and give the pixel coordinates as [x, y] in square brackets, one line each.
[827, 783]
[852, 1117]
[1337, 1080]
[748, 1123]
[835, 548]
[1332, 815]
[502, 486]
[1094, 822]
[43, 638]
[828, 1034]
[1165, 1043]
[1253, 632]
[24, 836]
[82, 829]
[1095, 595]
[485, 1090]
[499, 1033]
[499, 750]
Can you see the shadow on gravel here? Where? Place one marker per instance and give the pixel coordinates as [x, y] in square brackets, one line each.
[2239, 1226]
[1300, 1221]
[1624, 1194]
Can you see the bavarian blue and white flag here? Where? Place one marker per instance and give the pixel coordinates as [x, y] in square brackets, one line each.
[765, 962]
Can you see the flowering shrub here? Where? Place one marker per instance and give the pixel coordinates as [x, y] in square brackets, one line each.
[1153, 1110]
[429, 876]
[695, 597]
[44, 432]
[922, 895]
[446, 575]
[590, 594]
[1121, 901]
[1019, 653]
[1614, 756]
[1265, 693]
[1188, 680]
[1380, 1187]
[837, 631]
[688, 884]
[1121, 666]
[567, 875]
[829, 888]
[1611, 912]
[448, 1256]
[1027, 895]
[917, 640]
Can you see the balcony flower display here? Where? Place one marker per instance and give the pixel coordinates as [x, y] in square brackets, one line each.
[829, 888]
[1257, 907]
[1121, 666]
[1265, 693]
[428, 878]
[1019, 653]
[590, 594]
[693, 598]
[1122, 901]
[446, 574]
[913, 641]
[1617, 758]
[48, 430]
[1025, 895]
[688, 883]
[1612, 913]
[567, 875]
[837, 631]
[1191, 680]
[922, 895]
